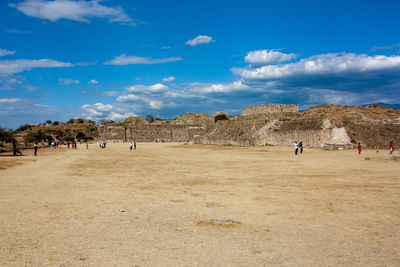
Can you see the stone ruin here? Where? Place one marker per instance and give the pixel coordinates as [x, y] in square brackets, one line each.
[327, 126]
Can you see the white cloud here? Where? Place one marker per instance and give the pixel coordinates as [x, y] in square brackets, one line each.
[168, 79]
[143, 88]
[128, 98]
[114, 116]
[267, 57]
[9, 100]
[5, 52]
[103, 107]
[8, 67]
[219, 87]
[106, 111]
[325, 64]
[155, 104]
[165, 47]
[68, 81]
[73, 10]
[93, 82]
[201, 39]
[91, 111]
[127, 60]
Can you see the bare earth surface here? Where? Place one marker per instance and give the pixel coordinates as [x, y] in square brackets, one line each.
[195, 205]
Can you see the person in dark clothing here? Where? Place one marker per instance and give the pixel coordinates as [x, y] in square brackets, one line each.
[134, 145]
[301, 147]
[35, 148]
[15, 148]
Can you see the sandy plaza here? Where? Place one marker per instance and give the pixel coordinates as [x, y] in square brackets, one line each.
[199, 205]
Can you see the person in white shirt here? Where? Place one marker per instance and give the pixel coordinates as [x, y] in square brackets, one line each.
[296, 147]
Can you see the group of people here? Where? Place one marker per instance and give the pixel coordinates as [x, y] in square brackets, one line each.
[391, 148]
[298, 146]
[132, 146]
[103, 144]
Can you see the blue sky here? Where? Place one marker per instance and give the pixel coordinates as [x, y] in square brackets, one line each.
[62, 59]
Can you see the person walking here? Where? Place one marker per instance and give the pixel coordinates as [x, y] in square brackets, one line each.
[134, 145]
[87, 145]
[391, 147]
[15, 148]
[359, 148]
[301, 147]
[130, 147]
[35, 148]
[296, 147]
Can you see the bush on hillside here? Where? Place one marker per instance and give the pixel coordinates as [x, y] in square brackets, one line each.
[220, 117]
[23, 128]
[6, 136]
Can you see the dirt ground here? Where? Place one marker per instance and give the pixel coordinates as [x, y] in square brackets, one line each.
[196, 205]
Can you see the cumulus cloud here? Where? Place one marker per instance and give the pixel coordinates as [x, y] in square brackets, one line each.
[128, 98]
[199, 40]
[326, 64]
[93, 82]
[8, 67]
[268, 57]
[100, 111]
[127, 60]
[64, 81]
[143, 88]
[155, 104]
[168, 79]
[5, 52]
[218, 87]
[80, 10]
[103, 107]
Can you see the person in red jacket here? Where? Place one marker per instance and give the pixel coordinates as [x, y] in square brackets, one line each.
[359, 148]
[391, 147]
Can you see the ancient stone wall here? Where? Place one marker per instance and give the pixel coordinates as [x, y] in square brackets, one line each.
[141, 131]
[328, 126]
[269, 108]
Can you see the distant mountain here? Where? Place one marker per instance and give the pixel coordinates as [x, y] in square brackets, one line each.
[396, 106]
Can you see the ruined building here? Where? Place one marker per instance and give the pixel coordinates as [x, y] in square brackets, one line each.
[327, 126]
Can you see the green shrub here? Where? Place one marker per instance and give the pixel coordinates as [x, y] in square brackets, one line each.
[220, 117]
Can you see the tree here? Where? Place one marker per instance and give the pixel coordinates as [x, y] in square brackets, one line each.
[34, 137]
[220, 117]
[150, 118]
[48, 122]
[23, 128]
[6, 136]
[56, 123]
[71, 121]
[80, 136]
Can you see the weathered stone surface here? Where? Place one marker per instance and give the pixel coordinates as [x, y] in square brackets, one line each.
[327, 126]
[269, 108]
